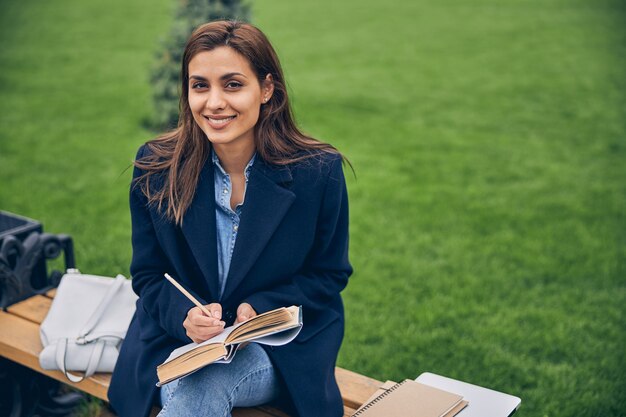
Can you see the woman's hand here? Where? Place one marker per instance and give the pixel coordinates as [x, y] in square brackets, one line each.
[200, 327]
[244, 312]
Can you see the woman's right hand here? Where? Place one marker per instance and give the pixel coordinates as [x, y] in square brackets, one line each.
[200, 327]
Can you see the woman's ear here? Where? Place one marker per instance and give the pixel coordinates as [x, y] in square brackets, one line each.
[267, 88]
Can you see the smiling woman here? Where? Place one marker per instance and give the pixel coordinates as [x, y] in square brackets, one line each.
[249, 214]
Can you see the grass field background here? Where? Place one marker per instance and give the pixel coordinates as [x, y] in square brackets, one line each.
[488, 215]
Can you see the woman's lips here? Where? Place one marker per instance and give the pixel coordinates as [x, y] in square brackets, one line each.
[219, 122]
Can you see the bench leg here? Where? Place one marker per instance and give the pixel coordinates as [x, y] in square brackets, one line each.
[26, 392]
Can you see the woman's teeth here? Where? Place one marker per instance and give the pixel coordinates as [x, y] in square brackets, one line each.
[221, 121]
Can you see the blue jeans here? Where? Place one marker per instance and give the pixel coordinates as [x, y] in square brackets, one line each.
[213, 391]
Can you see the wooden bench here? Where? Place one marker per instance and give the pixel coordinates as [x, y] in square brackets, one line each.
[19, 342]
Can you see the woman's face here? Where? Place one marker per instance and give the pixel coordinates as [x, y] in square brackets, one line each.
[225, 97]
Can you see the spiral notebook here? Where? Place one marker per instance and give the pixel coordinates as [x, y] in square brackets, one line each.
[411, 399]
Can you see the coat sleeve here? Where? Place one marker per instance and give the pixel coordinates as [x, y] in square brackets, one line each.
[159, 299]
[327, 267]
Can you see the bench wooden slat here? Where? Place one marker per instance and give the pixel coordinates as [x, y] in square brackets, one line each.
[33, 309]
[258, 412]
[347, 411]
[263, 411]
[269, 411]
[19, 342]
[355, 388]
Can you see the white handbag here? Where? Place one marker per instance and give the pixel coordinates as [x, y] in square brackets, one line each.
[86, 324]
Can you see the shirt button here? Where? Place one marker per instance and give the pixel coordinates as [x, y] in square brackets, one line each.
[225, 191]
[235, 228]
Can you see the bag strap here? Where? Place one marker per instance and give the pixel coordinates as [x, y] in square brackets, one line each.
[92, 366]
[94, 360]
[97, 314]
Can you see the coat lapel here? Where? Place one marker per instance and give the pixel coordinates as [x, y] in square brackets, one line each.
[266, 203]
[200, 230]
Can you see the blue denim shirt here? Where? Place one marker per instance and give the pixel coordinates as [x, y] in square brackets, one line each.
[227, 220]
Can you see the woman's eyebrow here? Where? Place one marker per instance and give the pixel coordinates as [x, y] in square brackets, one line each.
[231, 74]
[223, 77]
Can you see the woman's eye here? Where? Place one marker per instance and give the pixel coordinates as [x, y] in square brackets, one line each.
[198, 84]
[233, 84]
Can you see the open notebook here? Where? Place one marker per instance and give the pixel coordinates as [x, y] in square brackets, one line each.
[274, 328]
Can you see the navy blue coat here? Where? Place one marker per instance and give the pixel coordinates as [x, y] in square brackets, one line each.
[291, 249]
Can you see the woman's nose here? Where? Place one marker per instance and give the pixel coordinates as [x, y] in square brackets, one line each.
[215, 100]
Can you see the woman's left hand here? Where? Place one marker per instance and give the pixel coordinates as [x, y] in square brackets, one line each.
[244, 312]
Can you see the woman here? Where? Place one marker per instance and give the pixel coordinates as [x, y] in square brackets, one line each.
[249, 215]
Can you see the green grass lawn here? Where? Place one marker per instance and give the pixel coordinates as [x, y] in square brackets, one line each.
[488, 216]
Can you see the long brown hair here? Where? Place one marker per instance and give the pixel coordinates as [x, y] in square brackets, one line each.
[177, 157]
